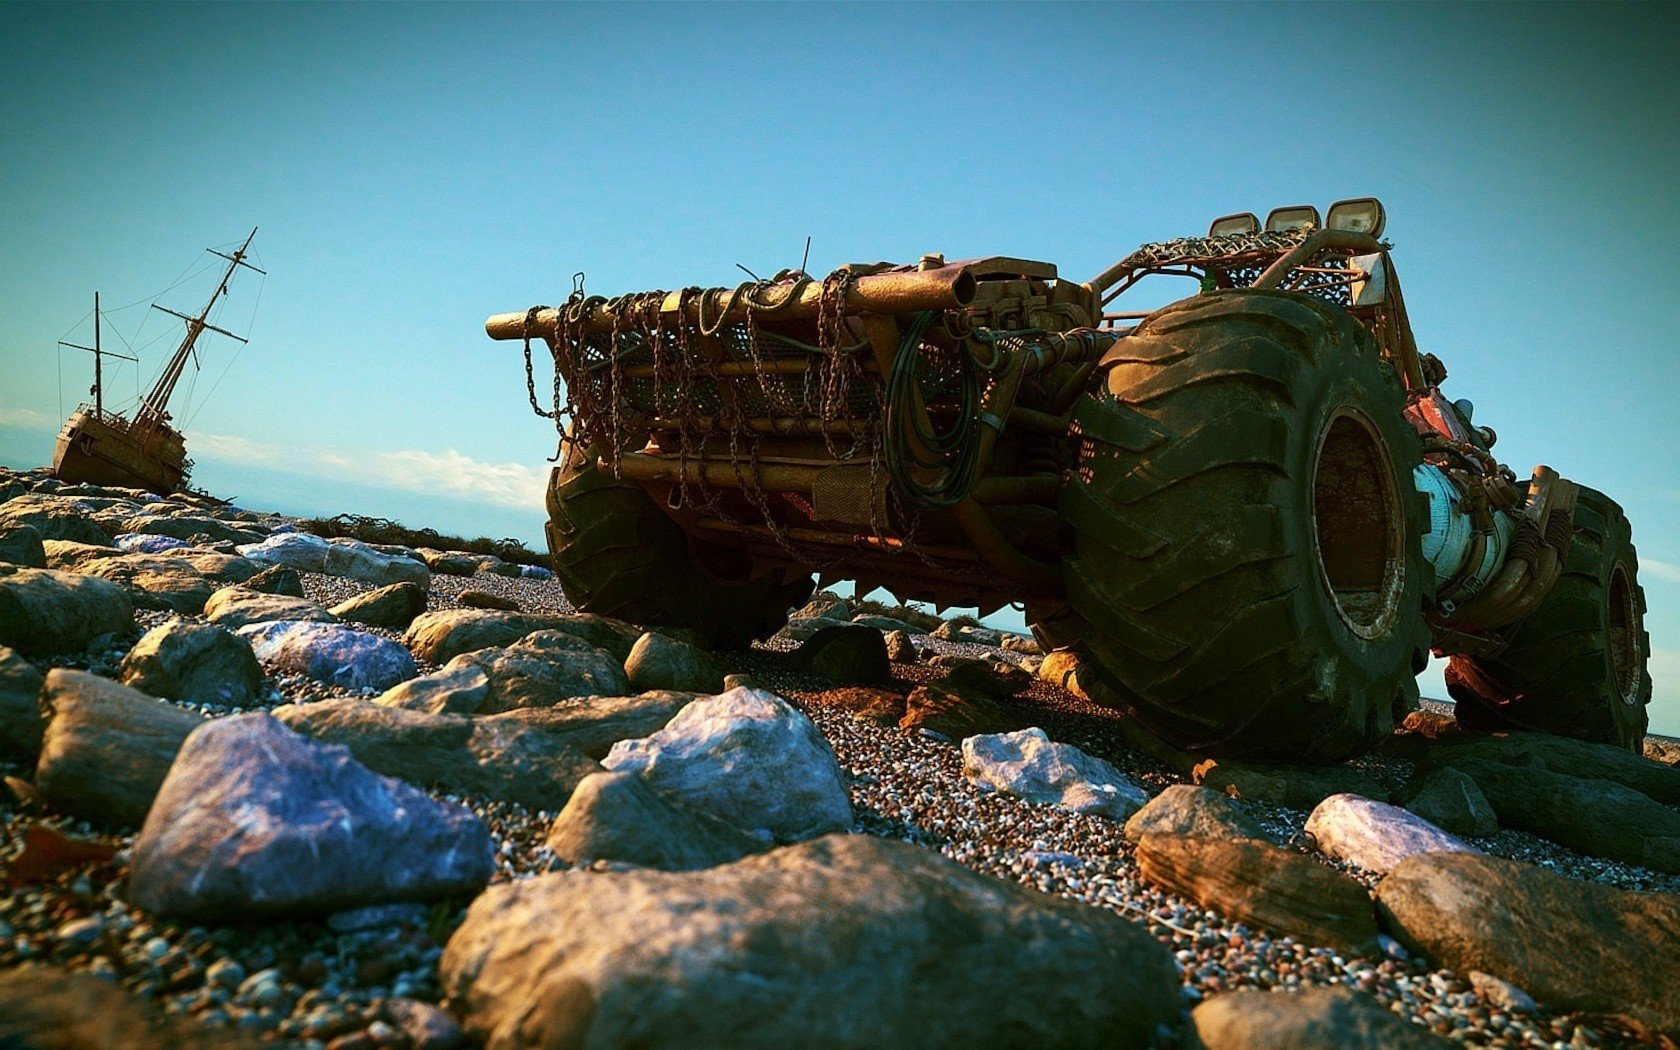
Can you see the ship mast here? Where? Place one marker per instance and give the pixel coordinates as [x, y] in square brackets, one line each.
[153, 409]
[99, 354]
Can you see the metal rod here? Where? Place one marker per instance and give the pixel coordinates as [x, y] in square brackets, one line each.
[771, 477]
[763, 425]
[741, 368]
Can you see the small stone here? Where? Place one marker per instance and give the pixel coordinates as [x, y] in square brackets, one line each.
[900, 649]
[1500, 994]
[1031, 766]
[79, 933]
[225, 973]
[477, 599]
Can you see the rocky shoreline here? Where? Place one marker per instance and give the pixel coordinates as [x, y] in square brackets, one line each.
[1062, 886]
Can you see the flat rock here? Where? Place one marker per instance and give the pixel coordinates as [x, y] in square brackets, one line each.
[887, 624]
[476, 599]
[146, 543]
[455, 690]
[1031, 766]
[1571, 945]
[1450, 800]
[542, 669]
[21, 723]
[295, 550]
[1185, 809]
[21, 545]
[277, 579]
[1298, 787]
[1311, 1019]
[1375, 835]
[967, 634]
[48, 611]
[593, 724]
[444, 634]
[236, 607]
[617, 817]
[356, 560]
[181, 581]
[394, 605]
[331, 653]
[53, 518]
[825, 604]
[494, 758]
[658, 661]
[1265, 886]
[1576, 758]
[803, 628]
[956, 715]
[1020, 643]
[850, 940]
[46, 1008]
[748, 758]
[195, 662]
[449, 563]
[106, 748]
[255, 819]
[845, 653]
[195, 529]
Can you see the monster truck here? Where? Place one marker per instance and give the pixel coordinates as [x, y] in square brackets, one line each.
[1251, 513]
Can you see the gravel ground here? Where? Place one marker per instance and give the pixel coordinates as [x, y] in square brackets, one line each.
[308, 984]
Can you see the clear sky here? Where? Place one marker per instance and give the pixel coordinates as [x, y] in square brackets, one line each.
[415, 168]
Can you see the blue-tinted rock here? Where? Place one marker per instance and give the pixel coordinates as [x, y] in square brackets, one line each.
[147, 543]
[330, 653]
[298, 550]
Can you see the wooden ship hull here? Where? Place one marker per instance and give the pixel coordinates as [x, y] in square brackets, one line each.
[105, 449]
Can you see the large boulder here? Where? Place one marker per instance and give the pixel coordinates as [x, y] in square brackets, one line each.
[394, 605]
[181, 581]
[255, 819]
[1576, 758]
[21, 545]
[330, 653]
[21, 724]
[106, 748]
[192, 528]
[617, 817]
[658, 661]
[1264, 886]
[46, 1008]
[236, 607]
[1186, 809]
[1298, 787]
[1451, 801]
[1031, 766]
[54, 518]
[1572, 945]
[1375, 835]
[543, 669]
[957, 715]
[444, 634]
[296, 550]
[850, 940]
[459, 689]
[356, 560]
[195, 662]
[747, 758]
[48, 611]
[848, 654]
[593, 724]
[1306, 1019]
[493, 758]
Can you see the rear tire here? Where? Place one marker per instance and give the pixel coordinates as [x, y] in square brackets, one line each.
[617, 554]
[1248, 559]
[1577, 665]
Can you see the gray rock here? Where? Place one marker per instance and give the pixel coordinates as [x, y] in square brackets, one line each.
[661, 662]
[593, 724]
[356, 560]
[45, 1008]
[543, 669]
[847, 653]
[826, 604]
[21, 545]
[190, 528]
[21, 723]
[1312, 1019]
[425, 1026]
[495, 758]
[1501, 995]
[1375, 835]
[803, 628]
[195, 662]
[1576, 758]
[236, 607]
[749, 759]
[444, 634]
[296, 550]
[1451, 801]
[376, 916]
[255, 819]
[956, 632]
[455, 690]
[48, 611]
[490, 565]
[181, 581]
[851, 940]
[277, 579]
[331, 653]
[394, 606]
[449, 563]
[1298, 787]
[616, 816]
[476, 599]
[1185, 809]
[1031, 766]
[54, 518]
[900, 649]
[887, 624]
[106, 748]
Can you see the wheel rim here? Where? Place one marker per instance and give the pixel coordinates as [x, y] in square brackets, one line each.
[1622, 631]
[1358, 524]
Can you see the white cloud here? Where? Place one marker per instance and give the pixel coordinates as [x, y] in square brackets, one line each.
[446, 473]
[14, 416]
[1668, 572]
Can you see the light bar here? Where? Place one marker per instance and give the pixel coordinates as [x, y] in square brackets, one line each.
[1358, 215]
[1229, 225]
[1282, 220]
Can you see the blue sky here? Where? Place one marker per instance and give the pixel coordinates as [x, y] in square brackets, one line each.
[415, 168]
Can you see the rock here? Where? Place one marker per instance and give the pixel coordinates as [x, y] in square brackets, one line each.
[592, 725]
[618, 817]
[747, 758]
[1298, 787]
[302, 551]
[851, 940]
[845, 653]
[535, 572]
[1574, 946]
[106, 748]
[1452, 802]
[21, 723]
[968, 677]
[48, 611]
[442, 635]
[1185, 809]
[1597, 817]
[474, 599]
[1061, 669]
[660, 662]
[356, 560]
[21, 545]
[376, 917]
[53, 518]
[543, 669]
[828, 605]
[887, 623]
[194, 662]
[878, 706]
[1031, 766]
[448, 563]
[739, 681]
[1311, 1019]
[45, 1008]
[255, 819]
[1576, 758]
[900, 649]
[394, 606]
[236, 607]
[804, 628]
[181, 582]
[277, 579]
[1375, 835]
[147, 543]
[954, 715]
[1264, 886]
[967, 635]
[71, 556]
[456, 690]
[1663, 749]
[330, 653]
[1501, 995]
[190, 528]
[492, 758]
[1020, 643]
[425, 1026]
[490, 565]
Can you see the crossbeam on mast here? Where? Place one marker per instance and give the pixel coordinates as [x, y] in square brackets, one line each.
[201, 324]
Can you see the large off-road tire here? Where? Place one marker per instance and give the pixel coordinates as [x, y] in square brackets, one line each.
[1576, 666]
[617, 554]
[1248, 556]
